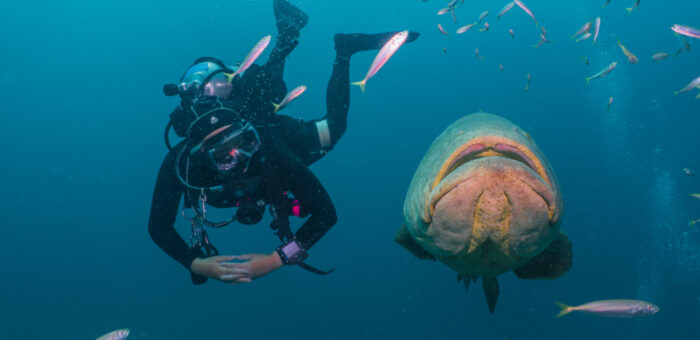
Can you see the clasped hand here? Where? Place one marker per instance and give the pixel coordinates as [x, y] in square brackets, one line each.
[236, 269]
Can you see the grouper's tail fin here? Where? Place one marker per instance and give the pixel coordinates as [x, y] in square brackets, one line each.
[565, 309]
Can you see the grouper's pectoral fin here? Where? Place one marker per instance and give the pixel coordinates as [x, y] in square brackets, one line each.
[467, 279]
[491, 290]
[403, 237]
[551, 263]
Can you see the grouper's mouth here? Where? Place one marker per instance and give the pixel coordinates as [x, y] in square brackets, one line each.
[489, 146]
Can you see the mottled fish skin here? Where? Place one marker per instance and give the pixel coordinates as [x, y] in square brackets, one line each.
[383, 56]
[686, 31]
[613, 308]
[251, 57]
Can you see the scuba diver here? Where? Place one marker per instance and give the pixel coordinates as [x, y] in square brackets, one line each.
[238, 153]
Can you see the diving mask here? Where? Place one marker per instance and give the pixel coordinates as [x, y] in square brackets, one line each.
[206, 77]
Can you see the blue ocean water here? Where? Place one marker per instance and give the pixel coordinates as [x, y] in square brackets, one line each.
[82, 142]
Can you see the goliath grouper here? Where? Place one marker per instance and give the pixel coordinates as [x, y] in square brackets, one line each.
[484, 201]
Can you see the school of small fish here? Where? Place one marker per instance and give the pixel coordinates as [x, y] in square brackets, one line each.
[588, 30]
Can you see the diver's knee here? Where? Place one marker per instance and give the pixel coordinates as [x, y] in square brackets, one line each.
[331, 216]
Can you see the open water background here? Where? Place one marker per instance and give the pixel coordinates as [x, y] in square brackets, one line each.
[81, 135]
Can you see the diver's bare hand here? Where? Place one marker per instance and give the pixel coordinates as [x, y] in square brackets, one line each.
[219, 268]
[258, 265]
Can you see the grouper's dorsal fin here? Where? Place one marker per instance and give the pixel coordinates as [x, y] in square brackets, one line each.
[403, 237]
[491, 290]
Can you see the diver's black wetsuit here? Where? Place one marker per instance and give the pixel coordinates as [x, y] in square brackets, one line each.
[263, 85]
[288, 169]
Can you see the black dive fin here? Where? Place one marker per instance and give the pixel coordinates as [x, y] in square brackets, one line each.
[349, 44]
[290, 19]
[490, 285]
[467, 280]
[551, 263]
[403, 237]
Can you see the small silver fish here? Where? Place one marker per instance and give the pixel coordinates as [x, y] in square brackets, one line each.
[612, 308]
[383, 56]
[505, 9]
[584, 36]
[596, 29]
[630, 9]
[483, 15]
[659, 56]
[529, 82]
[478, 56]
[442, 30]
[289, 97]
[119, 334]
[603, 73]
[686, 31]
[465, 28]
[527, 10]
[583, 30]
[693, 84]
[251, 57]
[678, 51]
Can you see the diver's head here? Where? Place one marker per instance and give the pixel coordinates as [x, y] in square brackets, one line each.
[206, 77]
[229, 148]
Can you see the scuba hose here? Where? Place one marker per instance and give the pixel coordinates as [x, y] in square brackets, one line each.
[279, 208]
[167, 135]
